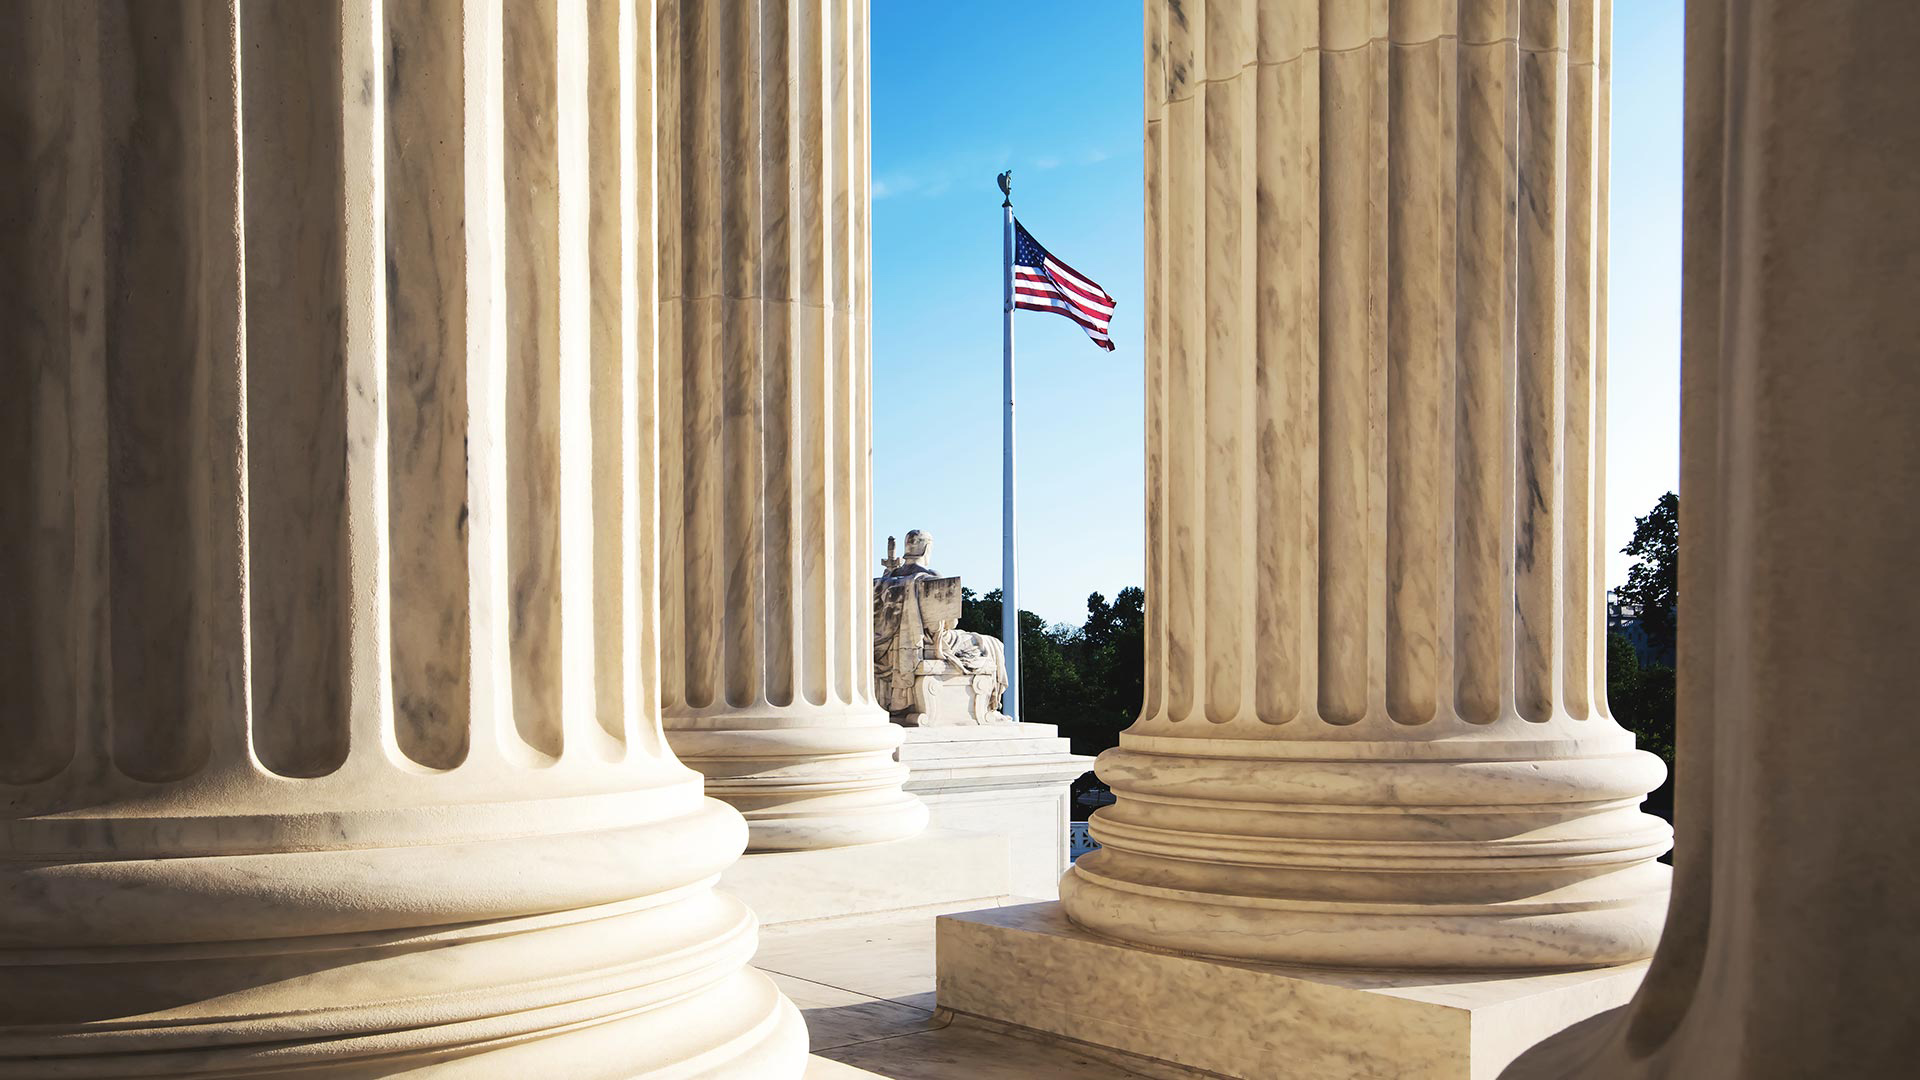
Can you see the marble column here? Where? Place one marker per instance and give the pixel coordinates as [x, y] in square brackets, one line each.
[765, 407]
[329, 738]
[1794, 935]
[1376, 730]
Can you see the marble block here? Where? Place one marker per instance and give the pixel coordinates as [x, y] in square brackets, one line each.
[937, 867]
[1013, 780]
[1030, 966]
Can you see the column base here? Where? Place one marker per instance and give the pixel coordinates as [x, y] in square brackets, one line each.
[598, 953]
[1029, 966]
[1489, 855]
[599, 995]
[807, 788]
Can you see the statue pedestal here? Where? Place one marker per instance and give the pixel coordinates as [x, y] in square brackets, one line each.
[944, 696]
[1013, 780]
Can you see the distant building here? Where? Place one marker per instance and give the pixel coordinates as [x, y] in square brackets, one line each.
[1627, 625]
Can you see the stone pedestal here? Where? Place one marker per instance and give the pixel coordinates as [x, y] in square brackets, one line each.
[1029, 965]
[765, 415]
[1012, 780]
[330, 739]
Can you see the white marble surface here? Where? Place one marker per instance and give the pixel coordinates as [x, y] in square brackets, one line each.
[1374, 729]
[1028, 965]
[867, 995]
[337, 743]
[1794, 934]
[1030, 818]
[991, 756]
[1013, 780]
[765, 485]
[940, 866]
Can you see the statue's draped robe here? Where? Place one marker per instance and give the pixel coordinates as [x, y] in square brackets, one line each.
[978, 654]
[914, 613]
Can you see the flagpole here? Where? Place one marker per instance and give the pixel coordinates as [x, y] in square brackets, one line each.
[1009, 573]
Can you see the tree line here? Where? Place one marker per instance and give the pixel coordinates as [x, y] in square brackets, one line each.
[1088, 679]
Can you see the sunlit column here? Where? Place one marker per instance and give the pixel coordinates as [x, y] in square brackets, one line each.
[328, 708]
[1375, 730]
[765, 410]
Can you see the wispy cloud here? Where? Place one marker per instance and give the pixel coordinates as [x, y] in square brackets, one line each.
[934, 177]
[931, 178]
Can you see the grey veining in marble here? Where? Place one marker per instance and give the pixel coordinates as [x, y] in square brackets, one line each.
[1375, 729]
[329, 710]
[765, 391]
[1794, 936]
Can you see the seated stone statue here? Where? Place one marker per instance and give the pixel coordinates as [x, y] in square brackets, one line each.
[927, 672]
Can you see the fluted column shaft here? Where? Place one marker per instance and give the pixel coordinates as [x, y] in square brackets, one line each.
[766, 408]
[1793, 935]
[1375, 729]
[328, 725]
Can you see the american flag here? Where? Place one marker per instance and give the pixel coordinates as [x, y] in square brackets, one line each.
[1044, 283]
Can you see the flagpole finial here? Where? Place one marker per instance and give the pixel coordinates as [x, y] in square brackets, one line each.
[1006, 187]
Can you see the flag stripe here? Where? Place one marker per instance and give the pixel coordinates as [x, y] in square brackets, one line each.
[1055, 301]
[1090, 312]
[1044, 283]
[1024, 278]
[1059, 307]
[1094, 330]
[1091, 300]
[1065, 274]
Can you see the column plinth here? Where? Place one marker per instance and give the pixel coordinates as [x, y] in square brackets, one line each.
[331, 736]
[766, 409]
[1375, 731]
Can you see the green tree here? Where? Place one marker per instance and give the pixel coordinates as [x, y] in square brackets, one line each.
[1643, 697]
[1113, 643]
[980, 614]
[1087, 680]
[1652, 591]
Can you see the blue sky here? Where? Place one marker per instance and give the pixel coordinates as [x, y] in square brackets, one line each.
[1052, 91]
